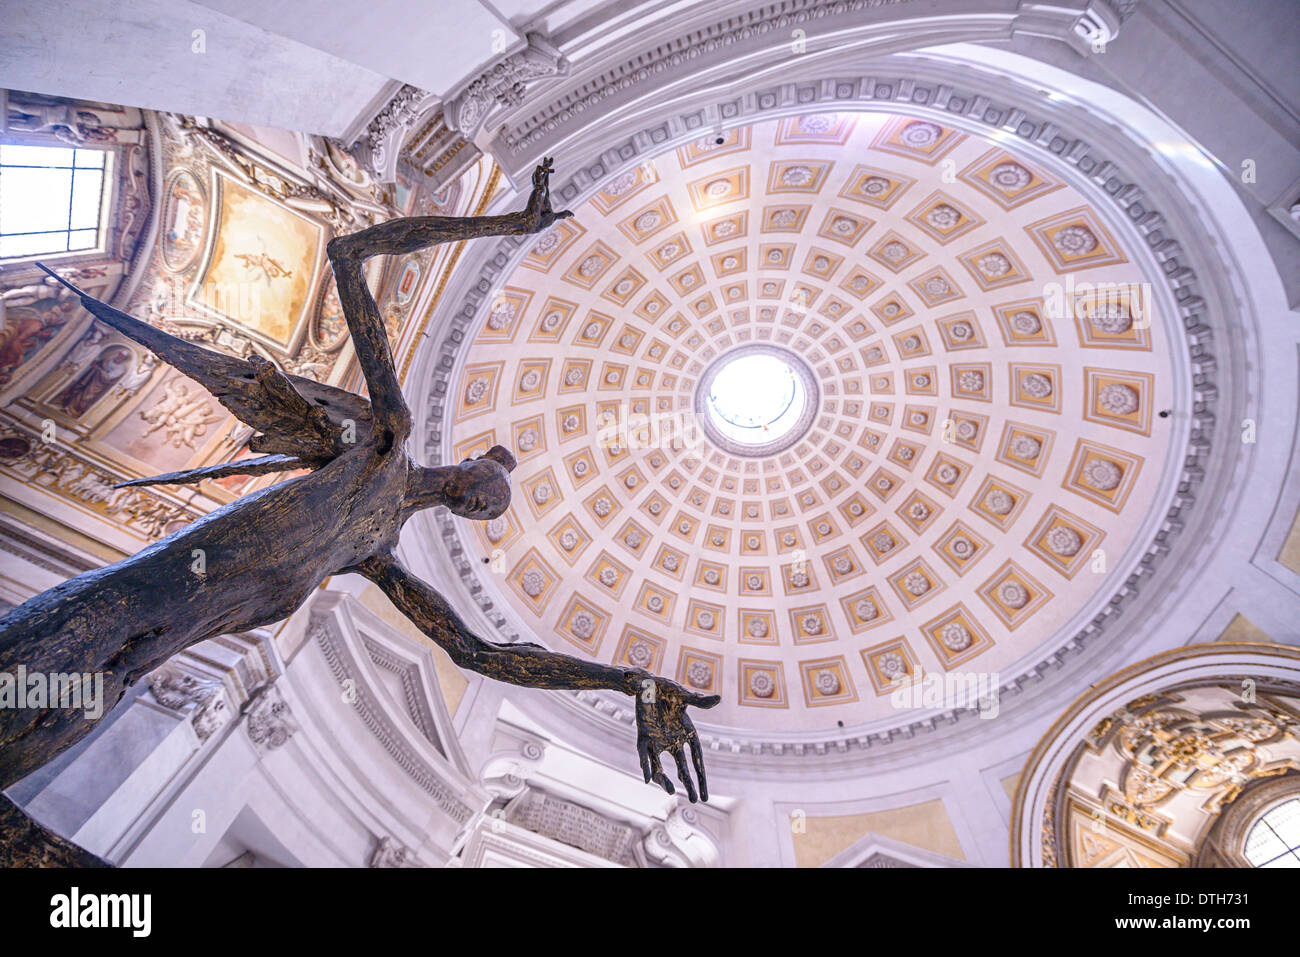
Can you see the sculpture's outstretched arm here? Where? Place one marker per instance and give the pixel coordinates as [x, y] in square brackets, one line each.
[397, 237]
[662, 722]
[521, 664]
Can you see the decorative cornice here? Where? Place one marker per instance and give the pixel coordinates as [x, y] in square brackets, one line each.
[503, 85]
[770, 36]
[400, 111]
[413, 696]
[781, 18]
[18, 540]
[379, 144]
[324, 632]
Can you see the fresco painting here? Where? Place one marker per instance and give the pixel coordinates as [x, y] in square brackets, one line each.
[264, 265]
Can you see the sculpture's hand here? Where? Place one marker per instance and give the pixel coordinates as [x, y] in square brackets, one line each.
[663, 725]
[539, 212]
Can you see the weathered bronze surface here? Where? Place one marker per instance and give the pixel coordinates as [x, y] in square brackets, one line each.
[255, 561]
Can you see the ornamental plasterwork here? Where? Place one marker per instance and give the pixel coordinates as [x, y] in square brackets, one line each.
[1151, 779]
[378, 144]
[773, 32]
[210, 682]
[201, 697]
[268, 720]
[86, 485]
[389, 852]
[326, 632]
[84, 407]
[503, 85]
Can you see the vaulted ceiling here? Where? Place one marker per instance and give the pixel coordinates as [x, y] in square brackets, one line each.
[985, 446]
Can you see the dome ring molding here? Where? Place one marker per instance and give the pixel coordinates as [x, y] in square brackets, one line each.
[1121, 193]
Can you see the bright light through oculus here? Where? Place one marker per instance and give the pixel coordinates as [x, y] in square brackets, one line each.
[756, 399]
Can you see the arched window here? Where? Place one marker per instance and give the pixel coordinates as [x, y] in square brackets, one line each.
[1274, 840]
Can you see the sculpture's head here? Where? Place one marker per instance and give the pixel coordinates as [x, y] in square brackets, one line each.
[477, 489]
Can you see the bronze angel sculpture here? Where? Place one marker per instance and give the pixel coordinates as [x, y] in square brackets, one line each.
[264, 554]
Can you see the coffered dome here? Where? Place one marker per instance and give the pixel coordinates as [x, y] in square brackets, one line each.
[975, 449]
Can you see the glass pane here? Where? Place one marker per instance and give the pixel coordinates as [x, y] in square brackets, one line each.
[92, 159]
[32, 200]
[86, 185]
[35, 155]
[1286, 860]
[37, 245]
[83, 238]
[1263, 844]
[1285, 822]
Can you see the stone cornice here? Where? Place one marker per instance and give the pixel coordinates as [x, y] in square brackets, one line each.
[325, 631]
[704, 49]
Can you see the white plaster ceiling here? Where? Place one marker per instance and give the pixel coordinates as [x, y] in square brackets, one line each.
[432, 48]
[182, 57]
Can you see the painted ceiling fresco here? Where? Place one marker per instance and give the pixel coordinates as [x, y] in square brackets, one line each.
[233, 258]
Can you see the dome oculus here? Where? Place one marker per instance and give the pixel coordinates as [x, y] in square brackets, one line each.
[756, 400]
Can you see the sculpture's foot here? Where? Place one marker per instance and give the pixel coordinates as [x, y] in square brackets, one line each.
[24, 843]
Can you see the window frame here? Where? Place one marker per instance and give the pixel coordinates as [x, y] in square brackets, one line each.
[107, 194]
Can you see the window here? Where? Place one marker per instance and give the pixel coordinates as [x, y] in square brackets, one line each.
[51, 199]
[1274, 841]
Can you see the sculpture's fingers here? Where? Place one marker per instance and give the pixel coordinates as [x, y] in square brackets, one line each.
[697, 757]
[701, 700]
[684, 774]
[643, 752]
[659, 777]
